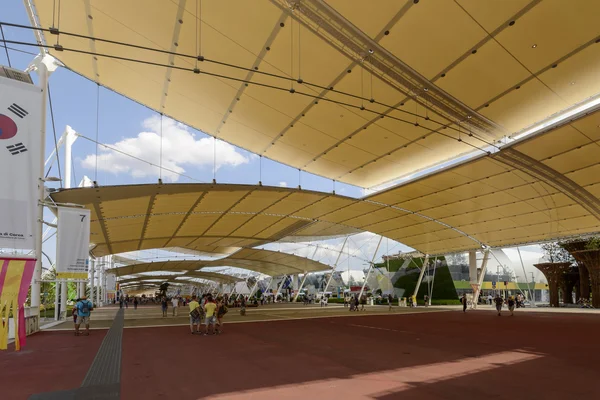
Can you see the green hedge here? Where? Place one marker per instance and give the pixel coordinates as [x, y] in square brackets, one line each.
[443, 285]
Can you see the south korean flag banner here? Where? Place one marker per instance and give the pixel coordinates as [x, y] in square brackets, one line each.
[20, 133]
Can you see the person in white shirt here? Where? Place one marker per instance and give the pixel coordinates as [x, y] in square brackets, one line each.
[175, 303]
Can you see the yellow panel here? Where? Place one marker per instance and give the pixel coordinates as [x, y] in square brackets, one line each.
[483, 76]
[154, 243]
[174, 203]
[472, 217]
[590, 224]
[293, 155]
[202, 118]
[367, 18]
[258, 200]
[538, 26]
[325, 168]
[589, 126]
[352, 211]
[124, 229]
[521, 108]
[507, 180]
[220, 200]
[553, 143]
[307, 139]
[324, 206]
[234, 131]
[203, 91]
[551, 201]
[373, 173]
[460, 33]
[124, 208]
[575, 159]
[313, 68]
[122, 247]
[254, 227]
[586, 176]
[275, 228]
[577, 78]
[258, 116]
[384, 214]
[412, 231]
[227, 224]
[492, 14]
[163, 225]
[335, 120]
[294, 202]
[196, 224]
[497, 225]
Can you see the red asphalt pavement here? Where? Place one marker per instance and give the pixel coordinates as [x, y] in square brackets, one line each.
[446, 355]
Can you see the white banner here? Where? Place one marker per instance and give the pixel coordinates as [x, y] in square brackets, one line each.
[73, 242]
[111, 282]
[20, 132]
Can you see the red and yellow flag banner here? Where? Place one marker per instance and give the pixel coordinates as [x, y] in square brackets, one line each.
[15, 278]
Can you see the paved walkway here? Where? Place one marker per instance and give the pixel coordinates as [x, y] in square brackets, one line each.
[290, 352]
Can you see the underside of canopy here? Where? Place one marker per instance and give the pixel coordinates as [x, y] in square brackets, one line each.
[267, 262]
[541, 188]
[488, 69]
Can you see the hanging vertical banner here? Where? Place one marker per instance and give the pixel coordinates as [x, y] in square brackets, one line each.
[73, 243]
[15, 278]
[20, 132]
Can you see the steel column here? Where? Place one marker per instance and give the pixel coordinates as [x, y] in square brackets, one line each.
[425, 262]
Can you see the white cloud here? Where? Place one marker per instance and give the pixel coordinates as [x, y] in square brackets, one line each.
[180, 149]
[283, 184]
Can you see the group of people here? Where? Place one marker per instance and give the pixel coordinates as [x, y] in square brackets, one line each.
[499, 301]
[208, 312]
[355, 301]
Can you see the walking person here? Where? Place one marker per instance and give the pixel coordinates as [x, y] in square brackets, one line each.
[210, 308]
[195, 315]
[426, 298]
[74, 314]
[390, 302]
[363, 302]
[463, 301]
[164, 306]
[84, 309]
[221, 311]
[490, 299]
[135, 303]
[511, 305]
[175, 304]
[499, 301]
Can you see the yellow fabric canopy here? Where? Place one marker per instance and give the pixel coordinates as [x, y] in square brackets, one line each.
[487, 68]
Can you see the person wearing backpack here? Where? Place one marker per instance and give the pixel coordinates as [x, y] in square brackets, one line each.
[84, 309]
[195, 315]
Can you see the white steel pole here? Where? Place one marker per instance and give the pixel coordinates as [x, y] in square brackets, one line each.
[425, 262]
[336, 264]
[486, 256]
[370, 267]
[531, 294]
[92, 272]
[56, 298]
[43, 73]
[70, 137]
[280, 286]
[63, 296]
[432, 279]
[99, 283]
[301, 286]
